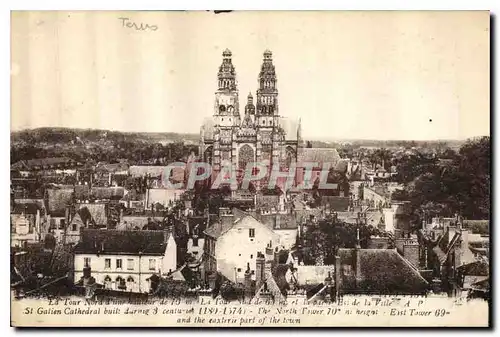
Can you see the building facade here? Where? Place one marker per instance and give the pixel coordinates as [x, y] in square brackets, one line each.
[231, 139]
[125, 260]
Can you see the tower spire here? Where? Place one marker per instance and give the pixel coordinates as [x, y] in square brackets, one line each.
[227, 72]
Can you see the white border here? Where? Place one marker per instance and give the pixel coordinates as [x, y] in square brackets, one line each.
[6, 7]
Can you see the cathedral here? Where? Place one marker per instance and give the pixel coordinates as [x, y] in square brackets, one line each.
[233, 138]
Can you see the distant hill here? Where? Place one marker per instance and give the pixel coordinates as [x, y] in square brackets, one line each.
[50, 135]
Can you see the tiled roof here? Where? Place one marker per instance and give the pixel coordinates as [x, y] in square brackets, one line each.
[58, 199]
[267, 201]
[478, 268]
[382, 271]
[82, 192]
[219, 228]
[26, 208]
[105, 193]
[278, 221]
[335, 203]
[97, 211]
[95, 241]
[227, 222]
[319, 155]
[482, 226]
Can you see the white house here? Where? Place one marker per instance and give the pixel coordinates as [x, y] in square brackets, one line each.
[125, 260]
[233, 243]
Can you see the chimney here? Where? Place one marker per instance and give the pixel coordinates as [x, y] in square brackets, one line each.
[259, 272]
[212, 277]
[248, 283]
[411, 252]
[337, 277]
[269, 251]
[276, 255]
[37, 224]
[268, 266]
[357, 253]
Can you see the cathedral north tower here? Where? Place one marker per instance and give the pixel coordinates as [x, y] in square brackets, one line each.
[226, 110]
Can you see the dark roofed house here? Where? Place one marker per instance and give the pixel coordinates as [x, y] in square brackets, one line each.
[335, 203]
[101, 241]
[45, 164]
[82, 193]
[107, 193]
[379, 272]
[57, 201]
[125, 260]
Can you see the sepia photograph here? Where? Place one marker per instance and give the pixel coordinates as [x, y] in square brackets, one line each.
[250, 169]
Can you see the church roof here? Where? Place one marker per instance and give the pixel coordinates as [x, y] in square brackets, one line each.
[320, 155]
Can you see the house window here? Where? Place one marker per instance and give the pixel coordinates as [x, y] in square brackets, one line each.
[195, 242]
[130, 264]
[120, 283]
[73, 227]
[251, 232]
[130, 283]
[86, 262]
[152, 264]
[62, 224]
[118, 263]
[239, 270]
[107, 264]
[253, 272]
[107, 282]
[251, 256]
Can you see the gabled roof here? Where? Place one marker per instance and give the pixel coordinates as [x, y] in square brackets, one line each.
[382, 271]
[101, 241]
[97, 212]
[272, 287]
[227, 222]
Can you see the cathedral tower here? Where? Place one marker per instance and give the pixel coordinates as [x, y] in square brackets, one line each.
[227, 111]
[267, 94]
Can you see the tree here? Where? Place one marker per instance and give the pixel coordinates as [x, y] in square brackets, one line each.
[460, 186]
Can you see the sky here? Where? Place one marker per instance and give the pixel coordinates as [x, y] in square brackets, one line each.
[347, 75]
